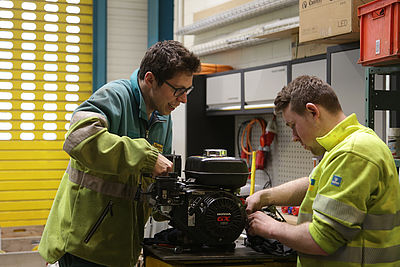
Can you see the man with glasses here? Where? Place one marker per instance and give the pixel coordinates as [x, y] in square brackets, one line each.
[115, 142]
[180, 91]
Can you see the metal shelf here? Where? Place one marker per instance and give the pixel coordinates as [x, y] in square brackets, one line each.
[378, 99]
[236, 14]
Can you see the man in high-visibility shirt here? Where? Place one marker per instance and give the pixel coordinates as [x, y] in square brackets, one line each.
[350, 203]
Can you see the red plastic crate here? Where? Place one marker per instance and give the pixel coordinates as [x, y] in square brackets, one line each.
[379, 33]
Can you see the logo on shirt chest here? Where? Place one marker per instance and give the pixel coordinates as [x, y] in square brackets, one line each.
[158, 146]
[336, 180]
[311, 185]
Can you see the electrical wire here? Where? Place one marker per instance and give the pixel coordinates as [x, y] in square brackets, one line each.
[268, 184]
[241, 128]
[244, 133]
[248, 149]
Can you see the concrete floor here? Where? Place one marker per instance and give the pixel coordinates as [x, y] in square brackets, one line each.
[22, 259]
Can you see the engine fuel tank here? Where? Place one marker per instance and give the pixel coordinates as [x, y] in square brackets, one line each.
[212, 170]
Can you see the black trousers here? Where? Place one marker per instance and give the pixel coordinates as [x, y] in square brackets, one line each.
[69, 260]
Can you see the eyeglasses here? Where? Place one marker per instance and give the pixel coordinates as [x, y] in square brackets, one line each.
[180, 91]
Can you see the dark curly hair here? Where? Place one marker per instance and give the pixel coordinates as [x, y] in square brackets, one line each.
[307, 89]
[166, 59]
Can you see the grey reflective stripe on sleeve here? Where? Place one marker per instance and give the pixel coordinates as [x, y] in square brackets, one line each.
[361, 255]
[80, 115]
[304, 217]
[345, 254]
[382, 221]
[337, 209]
[77, 136]
[381, 255]
[346, 232]
[99, 185]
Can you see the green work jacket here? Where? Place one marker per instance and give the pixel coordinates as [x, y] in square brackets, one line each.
[353, 200]
[111, 144]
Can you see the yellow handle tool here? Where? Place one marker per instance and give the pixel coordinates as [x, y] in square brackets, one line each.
[253, 173]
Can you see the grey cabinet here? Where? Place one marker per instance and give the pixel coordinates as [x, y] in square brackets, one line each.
[262, 85]
[224, 92]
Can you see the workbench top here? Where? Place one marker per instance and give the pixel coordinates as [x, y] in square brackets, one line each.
[210, 255]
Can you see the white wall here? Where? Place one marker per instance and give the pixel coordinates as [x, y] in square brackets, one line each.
[179, 132]
[126, 45]
[126, 37]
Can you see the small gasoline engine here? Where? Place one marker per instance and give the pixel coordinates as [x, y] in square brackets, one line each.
[204, 206]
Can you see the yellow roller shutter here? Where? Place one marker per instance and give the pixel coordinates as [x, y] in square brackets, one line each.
[45, 72]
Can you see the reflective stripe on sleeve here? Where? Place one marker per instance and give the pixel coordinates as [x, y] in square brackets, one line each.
[352, 215]
[346, 232]
[304, 217]
[382, 221]
[77, 136]
[345, 254]
[337, 209]
[381, 255]
[361, 255]
[80, 115]
[99, 185]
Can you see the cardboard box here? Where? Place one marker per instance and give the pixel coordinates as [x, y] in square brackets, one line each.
[305, 50]
[330, 21]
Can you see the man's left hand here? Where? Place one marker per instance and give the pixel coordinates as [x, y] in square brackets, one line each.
[163, 166]
[296, 237]
[261, 224]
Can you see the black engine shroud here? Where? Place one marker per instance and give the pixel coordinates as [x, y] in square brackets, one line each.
[205, 206]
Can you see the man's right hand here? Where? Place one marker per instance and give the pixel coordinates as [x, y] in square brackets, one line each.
[163, 166]
[253, 203]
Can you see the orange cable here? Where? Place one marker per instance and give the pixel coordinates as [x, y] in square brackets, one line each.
[247, 130]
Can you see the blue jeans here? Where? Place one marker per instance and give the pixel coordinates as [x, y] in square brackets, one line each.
[69, 260]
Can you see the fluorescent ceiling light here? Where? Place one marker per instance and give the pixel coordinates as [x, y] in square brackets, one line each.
[234, 107]
[257, 106]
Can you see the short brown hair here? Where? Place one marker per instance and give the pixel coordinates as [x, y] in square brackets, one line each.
[307, 89]
[166, 59]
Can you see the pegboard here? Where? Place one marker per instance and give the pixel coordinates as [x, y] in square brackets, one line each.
[286, 161]
[293, 160]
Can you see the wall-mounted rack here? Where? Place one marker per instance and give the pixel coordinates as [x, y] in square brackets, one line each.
[380, 99]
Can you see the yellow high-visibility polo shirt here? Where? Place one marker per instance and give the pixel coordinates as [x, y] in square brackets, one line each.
[353, 200]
